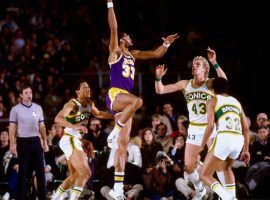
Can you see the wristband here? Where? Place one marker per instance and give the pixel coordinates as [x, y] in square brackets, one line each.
[158, 79]
[166, 44]
[216, 65]
[109, 4]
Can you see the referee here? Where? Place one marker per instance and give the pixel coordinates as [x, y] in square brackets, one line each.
[26, 124]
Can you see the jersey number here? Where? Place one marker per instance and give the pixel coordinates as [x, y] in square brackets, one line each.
[199, 109]
[233, 124]
[128, 71]
[191, 137]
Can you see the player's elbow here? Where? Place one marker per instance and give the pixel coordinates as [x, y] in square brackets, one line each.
[158, 91]
[157, 55]
[113, 29]
[210, 126]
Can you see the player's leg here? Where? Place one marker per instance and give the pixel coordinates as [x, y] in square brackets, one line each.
[219, 172]
[211, 163]
[79, 162]
[120, 161]
[229, 176]
[66, 184]
[190, 168]
[127, 104]
[68, 148]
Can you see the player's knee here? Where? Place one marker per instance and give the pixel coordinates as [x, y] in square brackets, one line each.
[227, 168]
[138, 102]
[205, 174]
[122, 148]
[84, 173]
[87, 173]
[72, 179]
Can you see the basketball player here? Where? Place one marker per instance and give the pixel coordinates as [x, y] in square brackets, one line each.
[197, 92]
[119, 100]
[232, 136]
[74, 117]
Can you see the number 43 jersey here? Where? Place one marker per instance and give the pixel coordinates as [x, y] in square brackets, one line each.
[227, 115]
[196, 103]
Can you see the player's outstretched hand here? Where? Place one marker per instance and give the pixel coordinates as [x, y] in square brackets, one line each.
[160, 71]
[211, 54]
[170, 39]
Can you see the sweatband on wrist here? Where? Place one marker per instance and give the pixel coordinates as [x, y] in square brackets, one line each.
[109, 4]
[216, 65]
[166, 44]
[158, 79]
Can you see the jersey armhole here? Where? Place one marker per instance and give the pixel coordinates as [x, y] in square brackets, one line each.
[185, 87]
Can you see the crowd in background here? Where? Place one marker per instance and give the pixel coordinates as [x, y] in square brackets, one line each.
[155, 160]
[51, 44]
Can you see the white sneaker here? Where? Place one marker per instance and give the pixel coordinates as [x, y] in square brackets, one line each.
[6, 196]
[112, 140]
[117, 196]
[199, 194]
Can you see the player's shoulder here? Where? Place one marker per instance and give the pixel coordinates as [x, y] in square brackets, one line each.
[183, 84]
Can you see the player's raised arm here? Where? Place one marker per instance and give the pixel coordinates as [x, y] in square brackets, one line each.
[162, 89]
[113, 45]
[158, 52]
[212, 57]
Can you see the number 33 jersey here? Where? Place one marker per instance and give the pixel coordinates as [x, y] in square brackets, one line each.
[122, 72]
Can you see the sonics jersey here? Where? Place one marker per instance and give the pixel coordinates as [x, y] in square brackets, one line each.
[122, 72]
[227, 115]
[80, 118]
[196, 99]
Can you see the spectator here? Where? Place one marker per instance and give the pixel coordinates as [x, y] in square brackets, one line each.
[4, 147]
[149, 148]
[156, 120]
[260, 120]
[96, 135]
[260, 159]
[169, 118]
[182, 124]
[162, 137]
[161, 178]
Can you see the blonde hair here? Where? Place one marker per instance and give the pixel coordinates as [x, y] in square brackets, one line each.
[137, 140]
[158, 116]
[182, 118]
[205, 63]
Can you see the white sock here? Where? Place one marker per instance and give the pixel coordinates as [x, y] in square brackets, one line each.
[117, 128]
[231, 189]
[75, 193]
[119, 182]
[217, 188]
[194, 178]
[221, 178]
[59, 194]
